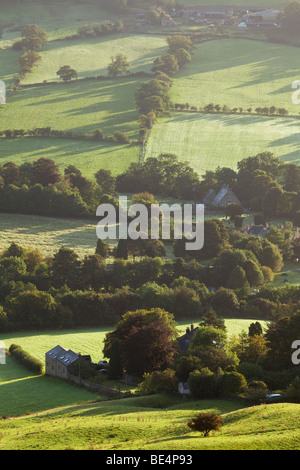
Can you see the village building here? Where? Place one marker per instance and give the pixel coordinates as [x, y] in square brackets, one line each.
[58, 361]
[224, 198]
[184, 340]
[220, 200]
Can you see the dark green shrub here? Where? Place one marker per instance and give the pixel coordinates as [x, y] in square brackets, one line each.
[206, 422]
[25, 359]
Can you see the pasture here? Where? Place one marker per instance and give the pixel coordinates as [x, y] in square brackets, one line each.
[239, 73]
[22, 392]
[90, 57]
[153, 423]
[80, 107]
[87, 156]
[58, 18]
[207, 141]
[48, 234]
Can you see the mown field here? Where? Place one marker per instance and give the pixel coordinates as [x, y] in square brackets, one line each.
[239, 73]
[153, 423]
[208, 141]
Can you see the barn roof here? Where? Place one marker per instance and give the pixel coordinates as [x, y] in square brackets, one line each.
[60, 354]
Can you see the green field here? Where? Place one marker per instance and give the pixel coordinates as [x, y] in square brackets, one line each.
[22, 392]
[87, 156]
[48, 234]
[90, 57]
[153, 423]
[58, 18]
[8, 65]
[209, 141]
[239, 73]
[79, 106]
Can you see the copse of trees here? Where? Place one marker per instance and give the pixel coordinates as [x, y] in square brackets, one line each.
[72, 285]
[40, 188]
[32, 38]
[162, 175]
[98, 30]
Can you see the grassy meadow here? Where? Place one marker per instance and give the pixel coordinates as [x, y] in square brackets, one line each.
[239, 73]
[48, 234]
[208, 141]
[87, 156]
[80, 107]
[58, 18]
[153, 423]
[90, 57]
[22, 392]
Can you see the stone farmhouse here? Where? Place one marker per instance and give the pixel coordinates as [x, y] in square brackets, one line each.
[58, 361]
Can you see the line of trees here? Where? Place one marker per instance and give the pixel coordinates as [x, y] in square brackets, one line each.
[217, 108]
[65, 290]
[153, 97]
[98, 135]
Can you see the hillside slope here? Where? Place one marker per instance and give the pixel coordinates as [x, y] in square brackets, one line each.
[155, 422]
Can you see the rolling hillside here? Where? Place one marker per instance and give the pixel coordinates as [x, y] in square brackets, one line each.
[153, 423]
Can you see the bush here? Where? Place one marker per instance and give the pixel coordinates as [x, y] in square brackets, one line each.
[203, 384]
[158, 382]
[293, 390]
[233, 382]
[256, 391]
[22, 357]
[121, 137]
[206, 422]
[250, 371]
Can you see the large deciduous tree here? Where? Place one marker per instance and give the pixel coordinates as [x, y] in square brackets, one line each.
[119, 64]
[33, 37]
[146, 339]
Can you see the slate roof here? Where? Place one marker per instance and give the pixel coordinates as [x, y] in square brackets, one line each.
[63, 356]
